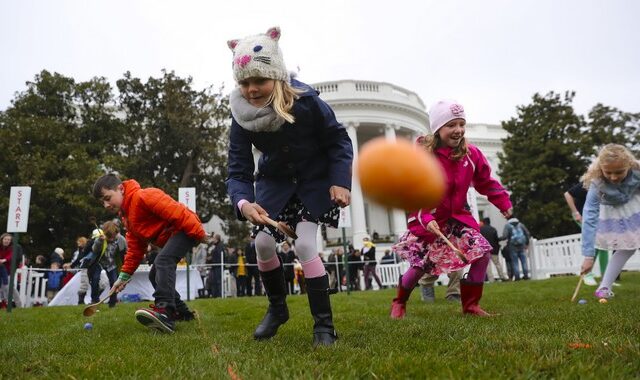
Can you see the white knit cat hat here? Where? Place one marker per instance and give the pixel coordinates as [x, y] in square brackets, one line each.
[258, 56]
[443, 112]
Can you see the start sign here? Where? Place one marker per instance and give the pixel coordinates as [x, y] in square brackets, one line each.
[18, 213]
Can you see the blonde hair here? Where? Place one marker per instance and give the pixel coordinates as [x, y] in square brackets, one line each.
[432, 142]
[282, 98]
[608, 154]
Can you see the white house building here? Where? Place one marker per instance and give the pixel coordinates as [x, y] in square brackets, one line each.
[372, 109]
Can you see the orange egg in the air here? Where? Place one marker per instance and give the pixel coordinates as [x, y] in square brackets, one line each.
[397, 174]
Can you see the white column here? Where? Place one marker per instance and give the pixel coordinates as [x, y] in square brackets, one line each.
[398, 217]
[358, 222]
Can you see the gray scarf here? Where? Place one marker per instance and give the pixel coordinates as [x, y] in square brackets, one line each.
[251, 118]
[611, 194]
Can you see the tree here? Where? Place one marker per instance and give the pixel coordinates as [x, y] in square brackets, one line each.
[177, 137]
[45, 146]
[546, 152]
[610, 125]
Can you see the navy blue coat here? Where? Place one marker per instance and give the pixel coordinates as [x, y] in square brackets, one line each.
[305, 158]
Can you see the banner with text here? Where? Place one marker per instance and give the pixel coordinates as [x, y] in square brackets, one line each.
[18, 215]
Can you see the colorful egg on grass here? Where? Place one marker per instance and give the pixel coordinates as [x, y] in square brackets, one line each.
[400, 175]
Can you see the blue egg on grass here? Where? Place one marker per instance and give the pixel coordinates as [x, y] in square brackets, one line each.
[582, 301]
[88, 326]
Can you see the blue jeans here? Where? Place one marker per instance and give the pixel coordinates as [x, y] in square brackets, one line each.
[518, 253]
[165, 269]
[4, 276]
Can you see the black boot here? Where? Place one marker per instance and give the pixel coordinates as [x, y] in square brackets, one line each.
[81, 298]
[318, 292]
[182, 312]
[277, 313]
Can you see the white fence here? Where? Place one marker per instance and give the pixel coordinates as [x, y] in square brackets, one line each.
[562, 255]
[32, 286]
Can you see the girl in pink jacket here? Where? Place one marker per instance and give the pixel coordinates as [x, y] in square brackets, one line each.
[464, 165]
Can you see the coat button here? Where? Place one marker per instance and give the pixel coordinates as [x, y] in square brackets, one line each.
[294, 180]
[285, 148]
[290, 165]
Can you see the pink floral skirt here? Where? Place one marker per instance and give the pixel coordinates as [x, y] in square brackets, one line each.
[437, 258]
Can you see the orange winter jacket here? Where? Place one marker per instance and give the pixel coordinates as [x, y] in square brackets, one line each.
[152, 216]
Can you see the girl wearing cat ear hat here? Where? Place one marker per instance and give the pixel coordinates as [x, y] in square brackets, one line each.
[303, 176]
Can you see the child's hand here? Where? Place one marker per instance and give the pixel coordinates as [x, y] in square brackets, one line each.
[577, 217]
[253, 212]
[119, 286]
[433, 227]
[587, 265]
[507, 214]
[340, 195]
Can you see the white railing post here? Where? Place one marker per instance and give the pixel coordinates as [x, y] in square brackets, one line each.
[533, 259]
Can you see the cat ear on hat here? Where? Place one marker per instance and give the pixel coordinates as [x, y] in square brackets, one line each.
[274, 33]
[232, 44]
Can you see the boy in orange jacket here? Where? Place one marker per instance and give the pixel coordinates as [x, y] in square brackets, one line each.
[151, 216]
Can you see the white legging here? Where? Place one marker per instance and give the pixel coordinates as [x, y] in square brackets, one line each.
[616, 263]
[306, 247]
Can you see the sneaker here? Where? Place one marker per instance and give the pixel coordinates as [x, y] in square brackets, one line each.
[589, 279]
[184, 315]
[616, 284]
[453, 298]
[156, 318]
[604, 293]
[428, 294]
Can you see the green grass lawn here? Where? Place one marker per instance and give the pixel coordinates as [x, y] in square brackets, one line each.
[531, 338]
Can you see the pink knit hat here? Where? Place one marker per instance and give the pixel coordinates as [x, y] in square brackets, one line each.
[443, 112]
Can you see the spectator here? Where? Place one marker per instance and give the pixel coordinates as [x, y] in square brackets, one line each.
[54, 280]
[287, 256]
[369, 252]
[57, 256]
[388, 258]
[253, 274]
[41, 262]
[199, 260]
[78, 254]
[335, 268]
[6, 253]
[231, 264]
[517, 236]
[355, 265]
[491, 234]
[241, 273]
[215, 258]
[506, 254]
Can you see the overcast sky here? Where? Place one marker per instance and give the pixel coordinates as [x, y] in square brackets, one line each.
[489, 55]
